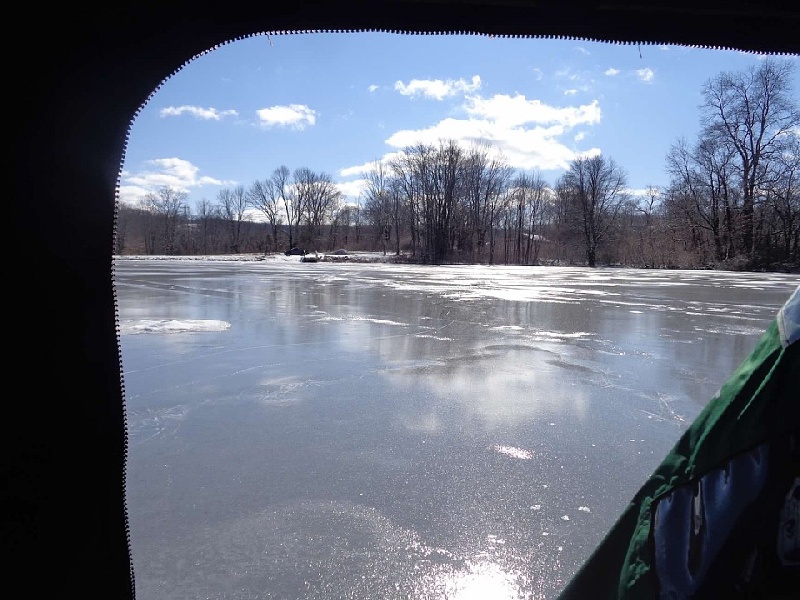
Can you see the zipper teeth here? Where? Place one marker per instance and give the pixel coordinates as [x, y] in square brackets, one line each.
[126, 439]
[327, 31]
[126, 436]
[518, 36]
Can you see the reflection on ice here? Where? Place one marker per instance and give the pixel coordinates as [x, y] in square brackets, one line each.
[359, 318]
[477, 580]
[513, 452]
[500, 385]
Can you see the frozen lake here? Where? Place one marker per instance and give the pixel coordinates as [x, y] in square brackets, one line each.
[364, 431]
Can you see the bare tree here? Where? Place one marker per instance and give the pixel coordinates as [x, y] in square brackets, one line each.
[566, 224]
[377, 199]
[782, 203]
[293, 209]
[703, 189]
[345, 219]
[527, 194]
[447, 196]
[403, 169]
[597, 189]
[319, 198]
[233, 203]
[265, 197]
[752, 111]
[486, 180]
[122, 220]
[648, 206]
[357, 219]
[166, 205]
[437, 181]
[207, 218]
[340, 224]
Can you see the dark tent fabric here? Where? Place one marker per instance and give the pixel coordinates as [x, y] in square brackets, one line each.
[78, 75]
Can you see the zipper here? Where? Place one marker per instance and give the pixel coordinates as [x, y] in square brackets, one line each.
[124, 413]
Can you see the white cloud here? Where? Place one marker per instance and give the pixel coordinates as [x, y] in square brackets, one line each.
[255, 215]
[436, 88]
[351, 189]
[590, 153]
[205, 114]
[538, 73]
[582, 50]
[132, 195]
[640, 192]
[173, 172]
[296, 116]
[356, 170]
[571, 92]
[525, 132]
[515, 111]
[646, 74]
[373, 87]
[364, 168]
[611, 71]
[528, 134]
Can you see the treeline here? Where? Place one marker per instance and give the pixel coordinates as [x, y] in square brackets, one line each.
[732, 201]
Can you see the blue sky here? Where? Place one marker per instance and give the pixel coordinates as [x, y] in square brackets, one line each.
[338, 102]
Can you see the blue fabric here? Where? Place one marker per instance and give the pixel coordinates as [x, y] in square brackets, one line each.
[694, 522]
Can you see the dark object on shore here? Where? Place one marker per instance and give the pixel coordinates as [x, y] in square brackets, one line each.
[295, 251]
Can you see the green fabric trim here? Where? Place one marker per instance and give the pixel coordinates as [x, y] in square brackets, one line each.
[758, 402]
[753, 405]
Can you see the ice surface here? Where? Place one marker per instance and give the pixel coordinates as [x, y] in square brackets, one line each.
[328, 430]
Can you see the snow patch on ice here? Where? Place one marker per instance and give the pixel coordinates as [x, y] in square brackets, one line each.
[366, 319]
[171, 326]
[434, 337]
